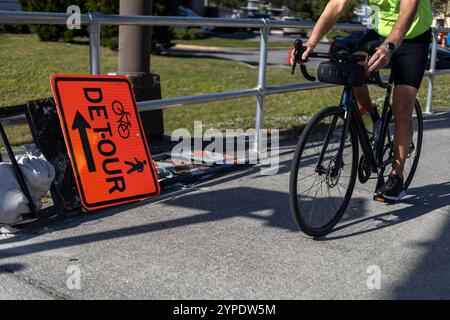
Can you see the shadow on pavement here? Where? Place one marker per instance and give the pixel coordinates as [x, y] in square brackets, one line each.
[424, 200]
[217, 205]
[429, 279]
[11, 267]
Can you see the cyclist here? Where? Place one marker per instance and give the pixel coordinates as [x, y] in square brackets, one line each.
[404, 27]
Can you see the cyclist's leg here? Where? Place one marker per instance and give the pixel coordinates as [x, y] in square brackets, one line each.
[403, 103]
[408, 67]
[363, 98]
[402, 106]
[362, 93]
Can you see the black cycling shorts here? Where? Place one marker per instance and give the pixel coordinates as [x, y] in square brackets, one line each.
[409, 61]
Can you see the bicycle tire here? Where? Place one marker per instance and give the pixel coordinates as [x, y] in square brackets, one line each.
[295, 167]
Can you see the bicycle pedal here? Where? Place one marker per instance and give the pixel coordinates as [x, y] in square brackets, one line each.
[383, 200]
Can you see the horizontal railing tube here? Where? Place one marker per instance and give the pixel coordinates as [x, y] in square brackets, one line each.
[441, 72]
[179, 21]
[26, 17]
[297, 87]
[189, 100]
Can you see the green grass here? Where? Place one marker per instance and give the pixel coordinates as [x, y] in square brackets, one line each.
[229, 43]
[26, 66]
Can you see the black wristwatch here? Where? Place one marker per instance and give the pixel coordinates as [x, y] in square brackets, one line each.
[391, 46]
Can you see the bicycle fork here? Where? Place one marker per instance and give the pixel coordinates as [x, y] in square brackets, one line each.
[346, 104]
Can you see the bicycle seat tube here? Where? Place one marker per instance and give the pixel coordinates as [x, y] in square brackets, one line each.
[348, 100]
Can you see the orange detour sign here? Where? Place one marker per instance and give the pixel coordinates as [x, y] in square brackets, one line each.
[105, 140]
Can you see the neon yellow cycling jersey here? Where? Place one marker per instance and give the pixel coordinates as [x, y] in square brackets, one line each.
[387, 13]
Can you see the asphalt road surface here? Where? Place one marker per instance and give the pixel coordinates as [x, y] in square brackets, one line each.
[277, 58]
[234, 238]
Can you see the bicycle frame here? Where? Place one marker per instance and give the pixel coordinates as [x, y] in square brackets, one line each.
[353, 121]
[352, 116]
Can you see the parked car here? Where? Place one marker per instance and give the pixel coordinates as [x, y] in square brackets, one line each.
[186, 12]
[349, 44]
[442, 60]
[10, 5]
[293, 30]
[260, 16]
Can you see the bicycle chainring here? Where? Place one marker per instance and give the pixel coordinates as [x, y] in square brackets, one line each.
[363, 172]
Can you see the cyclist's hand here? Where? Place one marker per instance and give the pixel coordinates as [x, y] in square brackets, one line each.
[309, 48]
[380, 59]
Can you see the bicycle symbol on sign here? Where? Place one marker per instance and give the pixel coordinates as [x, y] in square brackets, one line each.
[124, 120]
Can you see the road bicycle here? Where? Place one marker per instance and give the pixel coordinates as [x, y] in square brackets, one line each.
[326, 161]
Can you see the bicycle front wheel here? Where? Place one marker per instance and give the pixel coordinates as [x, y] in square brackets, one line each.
[319, 195]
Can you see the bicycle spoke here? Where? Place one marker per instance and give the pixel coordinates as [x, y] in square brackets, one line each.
[309, 189]
[320, 203]
[331, 198]
[307, 176]
[314, 202]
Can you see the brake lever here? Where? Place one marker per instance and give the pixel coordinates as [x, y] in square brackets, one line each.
[297, 54]
[294, 65]
[299, 49]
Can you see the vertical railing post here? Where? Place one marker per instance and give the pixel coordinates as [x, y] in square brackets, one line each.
[429, 108]
[262, 75]
[94, 44]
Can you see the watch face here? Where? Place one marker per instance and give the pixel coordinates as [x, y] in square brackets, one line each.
[390, 46]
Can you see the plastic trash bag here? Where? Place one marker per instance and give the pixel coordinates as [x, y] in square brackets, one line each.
[38, 174]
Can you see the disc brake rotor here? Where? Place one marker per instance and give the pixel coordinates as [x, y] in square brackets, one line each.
[333, 174]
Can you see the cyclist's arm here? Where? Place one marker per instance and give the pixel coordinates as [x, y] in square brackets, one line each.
[327, 20]
[408, 10]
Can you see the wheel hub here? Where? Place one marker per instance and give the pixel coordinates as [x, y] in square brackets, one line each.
[333, 174]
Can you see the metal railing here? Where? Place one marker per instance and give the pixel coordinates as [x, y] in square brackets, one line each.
[94, 21]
